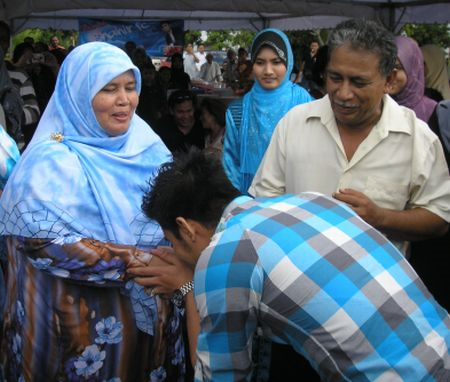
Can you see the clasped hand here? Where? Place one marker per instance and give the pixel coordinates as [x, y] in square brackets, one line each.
[164, 274]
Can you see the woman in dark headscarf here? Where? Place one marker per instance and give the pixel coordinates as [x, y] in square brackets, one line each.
[250, 121]
[408, 86]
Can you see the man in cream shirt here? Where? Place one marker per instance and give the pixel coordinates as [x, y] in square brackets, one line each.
[360, 146]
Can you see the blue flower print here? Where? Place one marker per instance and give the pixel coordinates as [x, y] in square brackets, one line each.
[41, 263]
[20, 312]
[109, 331]
[90, 361]
[179, 352]
[71, 371]
[17, 347]
[158, 375]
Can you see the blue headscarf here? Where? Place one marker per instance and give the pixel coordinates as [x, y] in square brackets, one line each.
[262, 109]
[75, 179]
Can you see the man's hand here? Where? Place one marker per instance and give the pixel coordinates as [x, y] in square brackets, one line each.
[164, 274]
[362, 205]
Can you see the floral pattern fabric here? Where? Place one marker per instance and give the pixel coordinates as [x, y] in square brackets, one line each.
[69, 317]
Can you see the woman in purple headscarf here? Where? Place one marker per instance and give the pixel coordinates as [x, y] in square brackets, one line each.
[408, 86]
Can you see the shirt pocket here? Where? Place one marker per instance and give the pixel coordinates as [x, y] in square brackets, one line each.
[386, 193]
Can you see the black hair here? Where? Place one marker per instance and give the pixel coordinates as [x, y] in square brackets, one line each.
[20, 49]
[216, 108]
[179, 96]
[366, 35]
[193, 186]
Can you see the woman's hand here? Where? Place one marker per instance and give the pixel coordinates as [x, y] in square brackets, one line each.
[164, 274]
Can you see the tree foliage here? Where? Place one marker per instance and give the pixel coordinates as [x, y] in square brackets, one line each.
[438, 34]
[66, 38]
[194, 37]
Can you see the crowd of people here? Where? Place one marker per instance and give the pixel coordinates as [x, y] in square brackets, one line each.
[298, 232]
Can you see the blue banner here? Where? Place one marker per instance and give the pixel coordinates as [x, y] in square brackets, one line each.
[157, 37]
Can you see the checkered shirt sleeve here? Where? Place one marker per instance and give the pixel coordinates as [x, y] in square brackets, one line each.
[316, 276]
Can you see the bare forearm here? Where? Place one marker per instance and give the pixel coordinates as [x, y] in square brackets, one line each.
[412, 225]
[193, 325]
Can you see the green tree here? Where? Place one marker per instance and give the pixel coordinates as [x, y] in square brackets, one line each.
[438, 34]
[194, 37]
[66, 38]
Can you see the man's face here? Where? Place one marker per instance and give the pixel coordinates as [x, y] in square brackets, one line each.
[165, 27]
[54, 41]
[183, 113]
[314, 47]
[186, 247]
[201, 49]
[355, 87]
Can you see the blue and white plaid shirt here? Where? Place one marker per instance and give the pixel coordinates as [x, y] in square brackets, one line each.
[314, 275]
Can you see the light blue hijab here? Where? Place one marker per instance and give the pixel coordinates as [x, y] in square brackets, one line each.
[262, 109]
[88, 184]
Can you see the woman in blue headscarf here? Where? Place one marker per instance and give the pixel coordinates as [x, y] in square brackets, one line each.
[71, 214]
[251, 120]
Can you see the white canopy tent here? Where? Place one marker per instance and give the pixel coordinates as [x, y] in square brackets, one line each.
[224, 14]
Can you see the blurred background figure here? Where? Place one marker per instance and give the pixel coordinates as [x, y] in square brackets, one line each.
[210, 70]
[152, 100]
[243, 71]
[58, 50]
[129, 48]
[229, 69]
[140, 57]
[179, 79]
[212, 116]
[190, 61]
[181, 128]
[436, 73]
[408, 86]
[201, 55]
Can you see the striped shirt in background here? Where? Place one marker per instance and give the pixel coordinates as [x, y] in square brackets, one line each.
[314, 275]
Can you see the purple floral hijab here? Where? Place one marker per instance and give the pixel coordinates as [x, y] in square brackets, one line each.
[412, 95]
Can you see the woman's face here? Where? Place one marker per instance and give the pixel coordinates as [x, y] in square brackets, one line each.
[269, 69]
[114, 105]
[208, 121]
[400, 79]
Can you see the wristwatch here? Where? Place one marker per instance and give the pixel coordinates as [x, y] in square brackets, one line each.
[178, 295]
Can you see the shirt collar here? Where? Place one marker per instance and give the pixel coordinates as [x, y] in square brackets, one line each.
[392, 118]
[237, 205]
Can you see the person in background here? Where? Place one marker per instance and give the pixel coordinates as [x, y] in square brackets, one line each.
[359, 146]
[317, 83]
[22, 80]
[436, 74]
[304, 267]
[140, 57]
[10, 99]
[229, 69]
[152, 100]
[201, 55]
[210, 70]
[179, 79]
[428, 257]
[58, 50]
[408, 85]
[72, 231]
[311, 57]
[181, 128]
[243, 71]
[212, 116]
[251, 120]
[190, 61]
[129, 48]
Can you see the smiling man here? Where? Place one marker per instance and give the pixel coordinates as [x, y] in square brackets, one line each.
[359, 146]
